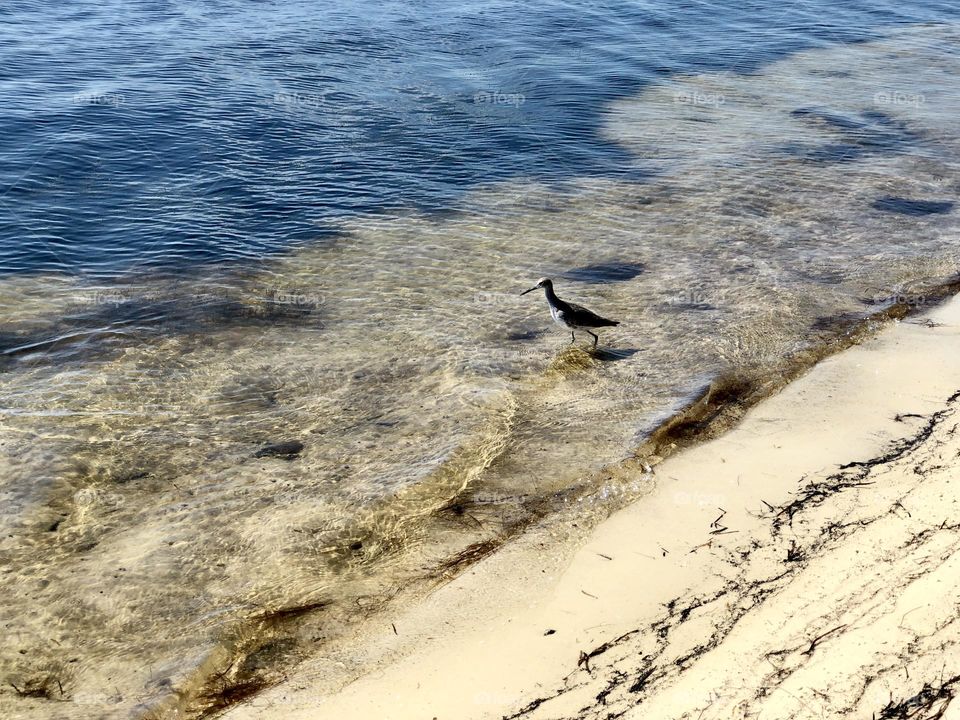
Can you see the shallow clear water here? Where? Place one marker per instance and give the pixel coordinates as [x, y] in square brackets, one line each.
[241, 224]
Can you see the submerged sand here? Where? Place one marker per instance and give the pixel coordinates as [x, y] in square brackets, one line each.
[806, 564]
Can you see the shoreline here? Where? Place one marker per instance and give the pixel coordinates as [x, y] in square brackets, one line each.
[257, 658]
[708, 414]
[224, 680]
[480, 646]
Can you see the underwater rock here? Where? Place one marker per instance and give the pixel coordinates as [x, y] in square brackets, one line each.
[285, 450]
[915, 208]
[604, 272]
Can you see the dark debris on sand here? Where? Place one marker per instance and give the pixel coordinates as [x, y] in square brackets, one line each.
[929, 704]
[639, 664]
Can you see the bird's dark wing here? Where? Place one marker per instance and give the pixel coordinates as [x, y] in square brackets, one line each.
[579, 315]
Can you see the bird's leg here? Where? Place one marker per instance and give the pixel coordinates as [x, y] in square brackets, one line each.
[595, 338]
[573, 337]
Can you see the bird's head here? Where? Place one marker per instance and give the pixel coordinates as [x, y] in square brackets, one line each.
[541, 283]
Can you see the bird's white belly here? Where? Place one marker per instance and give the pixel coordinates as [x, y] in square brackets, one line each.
[559, 317]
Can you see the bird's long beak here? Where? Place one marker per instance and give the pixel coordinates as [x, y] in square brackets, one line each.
[535, 287]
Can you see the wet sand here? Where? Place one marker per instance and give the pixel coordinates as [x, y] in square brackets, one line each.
[805, 564]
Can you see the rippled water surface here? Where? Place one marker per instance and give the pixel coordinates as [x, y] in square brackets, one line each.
[264, 359]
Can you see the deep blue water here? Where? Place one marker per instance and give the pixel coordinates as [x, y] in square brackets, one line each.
[148, 135]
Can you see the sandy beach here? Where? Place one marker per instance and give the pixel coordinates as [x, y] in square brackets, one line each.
[803, 565]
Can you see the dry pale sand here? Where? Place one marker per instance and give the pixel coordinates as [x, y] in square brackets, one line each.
[806, 564]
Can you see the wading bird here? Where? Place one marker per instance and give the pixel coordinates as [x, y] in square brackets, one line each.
[574, 317]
